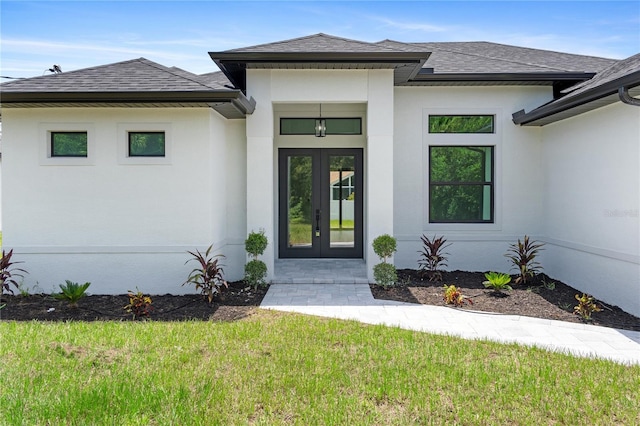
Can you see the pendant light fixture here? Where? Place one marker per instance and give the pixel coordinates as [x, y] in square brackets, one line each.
[321, 128]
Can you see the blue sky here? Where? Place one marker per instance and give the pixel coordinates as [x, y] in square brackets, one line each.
[79, 34]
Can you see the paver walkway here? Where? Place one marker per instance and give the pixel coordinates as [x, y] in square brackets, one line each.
[354, 301]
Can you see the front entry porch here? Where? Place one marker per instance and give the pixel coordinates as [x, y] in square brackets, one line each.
[320, 271]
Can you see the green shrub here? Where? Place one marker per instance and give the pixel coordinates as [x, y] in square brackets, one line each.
[256, 243]
[208, 277]
[522, 255]
[72, 292]
[384, 246]
[385, 274]
[432, 257]
[255, 272]
[497, 281]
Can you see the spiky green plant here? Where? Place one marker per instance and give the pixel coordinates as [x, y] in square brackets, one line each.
[497, 281]
[72, 292]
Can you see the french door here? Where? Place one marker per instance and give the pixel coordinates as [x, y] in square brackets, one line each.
[320, 202]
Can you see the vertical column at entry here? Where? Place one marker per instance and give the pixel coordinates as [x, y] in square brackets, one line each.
[261, 192]
[379, 162]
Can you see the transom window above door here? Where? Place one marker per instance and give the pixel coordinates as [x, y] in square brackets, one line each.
[332, 126]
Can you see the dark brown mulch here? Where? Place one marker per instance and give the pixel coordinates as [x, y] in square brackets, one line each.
[233, 303]
[532, 299]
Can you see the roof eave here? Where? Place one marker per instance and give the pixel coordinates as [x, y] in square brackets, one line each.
[234, 64]
[427, 76]
[212, 98]
[540, 116]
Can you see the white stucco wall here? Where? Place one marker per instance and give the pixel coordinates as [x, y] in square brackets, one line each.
[591, 202]
[518, 184]
[373, 88]
[114, 221]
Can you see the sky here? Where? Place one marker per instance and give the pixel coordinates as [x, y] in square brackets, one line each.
[79, 34]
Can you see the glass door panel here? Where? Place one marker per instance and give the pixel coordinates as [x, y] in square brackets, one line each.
[299, 196]
[342, 193]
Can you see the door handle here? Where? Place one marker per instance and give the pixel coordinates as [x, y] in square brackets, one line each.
[317, 222]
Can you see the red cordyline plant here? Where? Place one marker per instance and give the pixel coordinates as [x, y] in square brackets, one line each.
[7, 272]
[432, 257]
[522, 255]
[208, 278]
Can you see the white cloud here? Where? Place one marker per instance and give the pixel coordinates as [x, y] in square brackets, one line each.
[412, 26]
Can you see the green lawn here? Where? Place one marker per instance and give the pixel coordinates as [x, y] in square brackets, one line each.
[276, 368]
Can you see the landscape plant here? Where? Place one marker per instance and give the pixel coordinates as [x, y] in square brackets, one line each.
[586, 307]
[432, 257]
[255, 271]
[139, 306]
[497, 281]
[522, 255]
[384, 273]
[72, 292]
[8, 271]
[453, 296]
[208, 277]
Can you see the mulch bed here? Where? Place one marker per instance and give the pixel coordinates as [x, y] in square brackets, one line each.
[532, 299]
[239, 301]
[233, 303]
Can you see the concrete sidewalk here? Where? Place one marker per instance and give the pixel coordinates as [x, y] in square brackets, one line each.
[355, 302]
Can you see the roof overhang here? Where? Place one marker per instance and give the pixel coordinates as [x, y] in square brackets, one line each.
[235, 64]
[229, 103]
[572, 105]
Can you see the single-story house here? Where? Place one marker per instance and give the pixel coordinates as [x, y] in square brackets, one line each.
[111, 173]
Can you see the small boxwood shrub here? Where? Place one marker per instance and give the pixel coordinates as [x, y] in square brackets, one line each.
[255, 271]
[385, 273]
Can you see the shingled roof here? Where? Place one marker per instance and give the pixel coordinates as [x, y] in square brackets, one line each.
[580, 82]
[608, 86]
[473, 63]
[450, 63]
[137, 82]
[319, 51]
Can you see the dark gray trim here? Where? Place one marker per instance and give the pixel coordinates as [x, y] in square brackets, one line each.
[234, 64]
[623, 94]
[427, 75]
[213, 99]
[570, 101]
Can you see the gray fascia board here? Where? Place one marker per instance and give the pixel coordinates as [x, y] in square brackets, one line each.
[301, 57]
[234, 96]
[458, 77]
[568, 102]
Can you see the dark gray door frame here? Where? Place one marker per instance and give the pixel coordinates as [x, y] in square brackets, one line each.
[320, 200]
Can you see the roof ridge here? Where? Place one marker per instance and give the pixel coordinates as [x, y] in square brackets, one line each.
[275, 43]
[509, 60]
[39, 77]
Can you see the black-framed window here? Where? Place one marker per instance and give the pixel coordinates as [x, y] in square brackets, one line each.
[146, 144]
[461, 124]
[333, 126]
[461, 184]
[69, 144]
